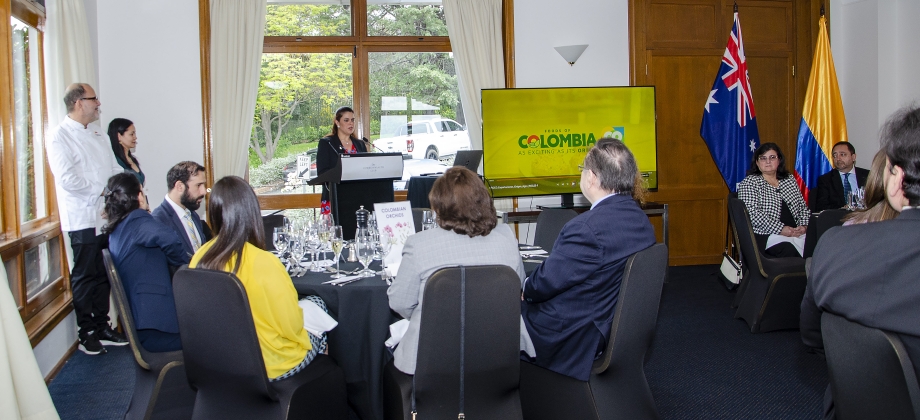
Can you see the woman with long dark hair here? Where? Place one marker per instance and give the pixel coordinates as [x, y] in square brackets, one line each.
[341, 140]
[238, 247]
[877, 206]
[143, 249]
[773, 200]
[123, 137]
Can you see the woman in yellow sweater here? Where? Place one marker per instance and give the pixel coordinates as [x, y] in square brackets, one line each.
[238, 248]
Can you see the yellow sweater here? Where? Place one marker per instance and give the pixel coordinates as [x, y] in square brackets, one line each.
[273, 301]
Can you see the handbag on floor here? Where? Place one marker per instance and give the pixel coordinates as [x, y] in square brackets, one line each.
[730, 272]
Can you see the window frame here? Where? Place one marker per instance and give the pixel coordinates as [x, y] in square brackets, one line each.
[43, 311]
[360, 45]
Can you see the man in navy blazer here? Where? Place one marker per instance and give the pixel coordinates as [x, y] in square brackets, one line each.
[186, 181]
[568, 302]
[830, 185]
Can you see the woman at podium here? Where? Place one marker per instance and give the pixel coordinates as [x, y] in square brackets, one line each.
[341, 140]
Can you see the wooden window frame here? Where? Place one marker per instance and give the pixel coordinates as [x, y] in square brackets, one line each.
[358, 43]
[42, 312]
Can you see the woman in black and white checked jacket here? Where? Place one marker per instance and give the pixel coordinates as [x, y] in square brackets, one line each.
[773, 200]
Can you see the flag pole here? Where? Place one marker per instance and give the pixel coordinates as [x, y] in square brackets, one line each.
[735, 8]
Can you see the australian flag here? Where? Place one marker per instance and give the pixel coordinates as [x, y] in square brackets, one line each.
[729, 126]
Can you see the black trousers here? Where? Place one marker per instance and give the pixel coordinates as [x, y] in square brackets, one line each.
[88, 281]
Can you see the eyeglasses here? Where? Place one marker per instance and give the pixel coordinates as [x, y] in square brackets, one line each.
[768, 158]
[94, 98]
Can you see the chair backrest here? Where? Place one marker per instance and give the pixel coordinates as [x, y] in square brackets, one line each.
[618, 383]
[124, 310]
[222, 353]
[870, 372]
[269, 223]
[491, 343]
[417, 217]
[741, 223]
[828, 219]
[549, 224]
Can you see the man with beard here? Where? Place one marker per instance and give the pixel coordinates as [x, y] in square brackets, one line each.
[186, 181]
[81, 159]
[832, 192]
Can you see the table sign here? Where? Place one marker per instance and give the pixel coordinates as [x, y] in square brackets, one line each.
[395, 223]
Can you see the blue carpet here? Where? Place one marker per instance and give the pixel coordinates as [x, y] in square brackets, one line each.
[94, 387]
[704, 364]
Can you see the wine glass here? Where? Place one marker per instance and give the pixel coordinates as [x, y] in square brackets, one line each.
[383, 248]
[364, 245]
[338, 242]
[314, 244]
[298, 250]
[280, 240]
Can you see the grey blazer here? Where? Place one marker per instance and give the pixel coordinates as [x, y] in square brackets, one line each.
[430, 250]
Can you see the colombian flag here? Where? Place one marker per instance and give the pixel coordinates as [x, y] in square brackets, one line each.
[823, 122]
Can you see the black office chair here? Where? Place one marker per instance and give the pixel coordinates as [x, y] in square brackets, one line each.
[871, 375]
[770, 298]
[491, 349]
[161, 390]
[224, 361]
[822, 222]
[549, 224]
[617, 387]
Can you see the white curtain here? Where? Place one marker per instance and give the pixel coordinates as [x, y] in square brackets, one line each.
[68, 54]
[475, 28]
[237, 31]
[23, 394]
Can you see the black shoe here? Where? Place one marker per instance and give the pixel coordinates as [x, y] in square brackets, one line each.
[108, 337]
[91, 345]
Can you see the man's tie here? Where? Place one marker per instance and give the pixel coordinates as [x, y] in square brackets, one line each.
[846, 186]
[190, 230]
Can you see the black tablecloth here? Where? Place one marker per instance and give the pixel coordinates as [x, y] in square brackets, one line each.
[419, 187]
[364, 317]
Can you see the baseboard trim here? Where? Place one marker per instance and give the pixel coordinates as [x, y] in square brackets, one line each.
[60, 364]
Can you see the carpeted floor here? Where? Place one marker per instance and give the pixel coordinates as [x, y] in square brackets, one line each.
[703, 364]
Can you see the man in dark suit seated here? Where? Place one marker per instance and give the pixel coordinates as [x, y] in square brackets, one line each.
[186, 181]
[832, 192]
[881, 289]
[569, 300]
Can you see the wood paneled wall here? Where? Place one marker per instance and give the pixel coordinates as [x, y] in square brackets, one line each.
[676, 46]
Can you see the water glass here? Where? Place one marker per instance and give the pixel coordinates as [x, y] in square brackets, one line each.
[365, 247]
[280, 240]
[428, 220]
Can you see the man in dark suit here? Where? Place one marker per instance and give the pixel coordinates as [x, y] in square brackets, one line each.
[881, 289]
[569, 300]
[832, 193]
[186, 181]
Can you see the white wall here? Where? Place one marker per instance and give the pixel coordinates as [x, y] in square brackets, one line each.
[540, 25]
[53, 348]
[876, 47]
[149, 73]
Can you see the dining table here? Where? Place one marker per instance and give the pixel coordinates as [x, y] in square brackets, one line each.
[363, 313]
[357, 342]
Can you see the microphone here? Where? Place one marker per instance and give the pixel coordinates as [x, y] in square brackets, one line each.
[368, 142]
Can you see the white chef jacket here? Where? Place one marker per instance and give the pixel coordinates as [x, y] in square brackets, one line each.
[82, 162]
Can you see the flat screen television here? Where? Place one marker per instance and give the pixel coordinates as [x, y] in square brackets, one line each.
[534, 139]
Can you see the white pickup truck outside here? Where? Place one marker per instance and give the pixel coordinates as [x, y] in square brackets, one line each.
[429, 139]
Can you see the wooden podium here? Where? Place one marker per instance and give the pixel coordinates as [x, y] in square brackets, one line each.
[359, 180]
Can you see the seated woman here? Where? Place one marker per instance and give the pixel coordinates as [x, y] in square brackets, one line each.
[877, 206]
[142, 250]
[468, 235]
[239, 248]
[774, 201]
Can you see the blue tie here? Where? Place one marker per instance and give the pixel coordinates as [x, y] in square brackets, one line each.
[846, 186]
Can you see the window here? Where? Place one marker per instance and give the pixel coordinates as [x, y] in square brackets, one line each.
[31, 247]
[388, 60]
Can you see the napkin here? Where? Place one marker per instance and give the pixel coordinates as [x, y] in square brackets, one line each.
[397, 331]
[337, 281]
[315, 319]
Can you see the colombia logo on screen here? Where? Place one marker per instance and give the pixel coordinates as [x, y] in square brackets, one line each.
[566, 138]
